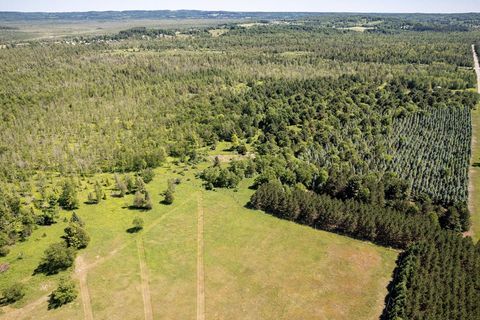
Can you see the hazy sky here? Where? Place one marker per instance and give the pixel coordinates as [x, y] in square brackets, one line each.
[247, 5]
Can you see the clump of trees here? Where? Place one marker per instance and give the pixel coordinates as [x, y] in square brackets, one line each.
[229, 177]
[147, 175]
[57, 257]
[60, 256]
[372, 222]
[98, 194]
[65, 293]
[142, 200]
[76, 236]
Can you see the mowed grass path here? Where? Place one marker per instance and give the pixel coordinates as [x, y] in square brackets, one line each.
[256, 266]
[474, 184]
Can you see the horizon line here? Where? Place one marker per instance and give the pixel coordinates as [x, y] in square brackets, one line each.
[256, 11]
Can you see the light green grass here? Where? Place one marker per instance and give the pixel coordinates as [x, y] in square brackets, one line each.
[474, 188]
[256, 266]
[275, 269]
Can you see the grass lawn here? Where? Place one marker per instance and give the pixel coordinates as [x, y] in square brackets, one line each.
[256, 266]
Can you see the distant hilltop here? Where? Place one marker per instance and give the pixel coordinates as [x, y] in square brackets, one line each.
[197, 14]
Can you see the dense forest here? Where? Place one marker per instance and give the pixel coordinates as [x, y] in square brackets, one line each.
[363, 133]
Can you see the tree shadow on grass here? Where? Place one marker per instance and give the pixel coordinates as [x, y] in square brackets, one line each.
[134, 230]
[4, 302]
[476, 164]
[391, 286]
[136, 208]
[47, 270]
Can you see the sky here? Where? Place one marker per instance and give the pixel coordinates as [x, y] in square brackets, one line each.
[440, 6]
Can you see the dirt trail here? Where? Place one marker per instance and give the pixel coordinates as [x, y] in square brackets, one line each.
[200, 263]
[81, 269]
[147, 300]
[472, 170]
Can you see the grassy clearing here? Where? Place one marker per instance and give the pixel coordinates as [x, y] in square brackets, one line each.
[41, 30]
[358, 28]
[256, 266]
[275, 269]
[217, 32]
[474, 186]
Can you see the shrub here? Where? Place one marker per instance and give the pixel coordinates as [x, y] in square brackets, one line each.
[168, 196]
[68, 199]
[57, 257]
[65, 293]
[147, 175]
[137, 223]
[13, 293]
[4, 251]
[76, 237]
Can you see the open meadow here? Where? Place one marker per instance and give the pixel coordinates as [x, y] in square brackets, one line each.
[254, 264]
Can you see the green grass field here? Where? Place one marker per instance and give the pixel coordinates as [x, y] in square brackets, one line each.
[256, 266]
[474, 185]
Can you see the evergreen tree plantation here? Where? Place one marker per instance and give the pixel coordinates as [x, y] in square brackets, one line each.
[229, 165]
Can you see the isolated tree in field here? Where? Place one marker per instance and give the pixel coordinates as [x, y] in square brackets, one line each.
[148, 202]
[57, 257]
[120, 186]
[137, 224]
[98, 192]
[169, 193]
[138, 200]
[68, 199]
[76, 237]
[65, 293]
[169, 197]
